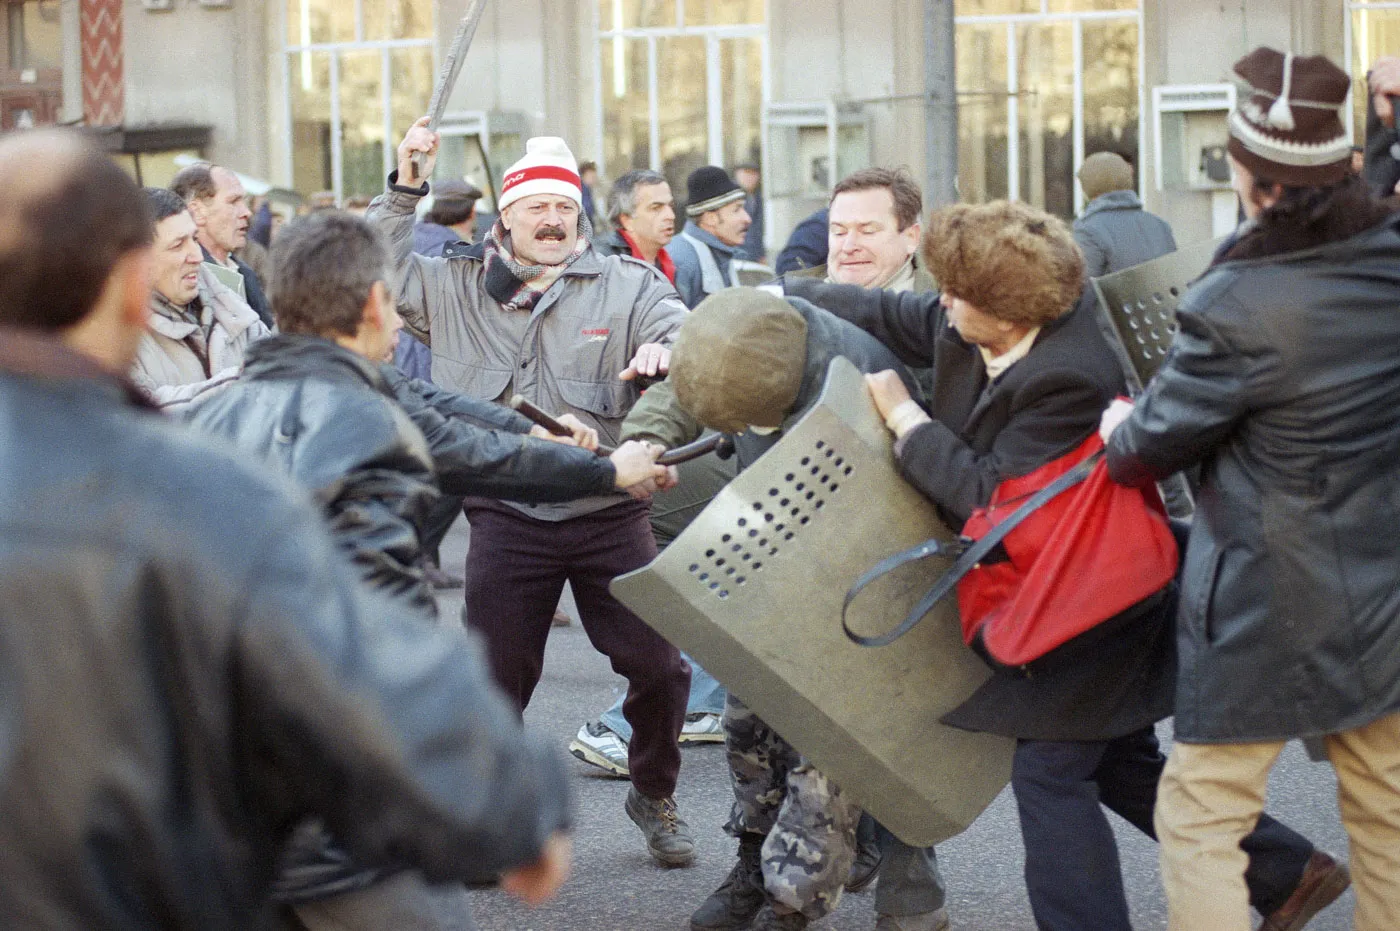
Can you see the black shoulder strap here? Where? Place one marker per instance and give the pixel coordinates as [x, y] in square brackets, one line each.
[968, 552]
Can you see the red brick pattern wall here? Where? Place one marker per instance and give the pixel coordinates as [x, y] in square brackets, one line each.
[104, 86]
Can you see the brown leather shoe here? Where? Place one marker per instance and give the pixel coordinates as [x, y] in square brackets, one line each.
[1323, 880]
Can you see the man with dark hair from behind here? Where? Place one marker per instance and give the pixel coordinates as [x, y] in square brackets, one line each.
[314, 401]
[219, 206]
[199, 329]
[185, 676]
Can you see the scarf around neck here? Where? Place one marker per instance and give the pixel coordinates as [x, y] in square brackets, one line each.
[516, 286]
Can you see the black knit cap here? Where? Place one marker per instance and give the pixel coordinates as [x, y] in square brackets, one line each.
[710, 188]
[1288, 128]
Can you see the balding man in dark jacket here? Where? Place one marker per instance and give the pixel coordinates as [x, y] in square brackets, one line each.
[184, 675]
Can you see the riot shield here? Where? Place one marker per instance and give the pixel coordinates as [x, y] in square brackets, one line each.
[1141, 304]
[753, 590]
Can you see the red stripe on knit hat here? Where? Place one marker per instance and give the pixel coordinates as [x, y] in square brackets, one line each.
[541, 173]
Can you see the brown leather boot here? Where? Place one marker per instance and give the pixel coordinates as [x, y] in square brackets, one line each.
[1323, 880]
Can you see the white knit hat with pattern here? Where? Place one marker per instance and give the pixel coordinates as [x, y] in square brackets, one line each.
[547, 168]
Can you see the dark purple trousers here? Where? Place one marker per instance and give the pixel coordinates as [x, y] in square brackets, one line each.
[516, 569]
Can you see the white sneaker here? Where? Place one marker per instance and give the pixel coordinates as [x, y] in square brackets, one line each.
[600, 746]
[702, 727]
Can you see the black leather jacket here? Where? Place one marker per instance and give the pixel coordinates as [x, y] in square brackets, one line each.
[188, 666]
[326, 418]
[1283, 383]
[480, 448]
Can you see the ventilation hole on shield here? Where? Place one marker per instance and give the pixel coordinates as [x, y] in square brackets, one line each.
[762, 541]
[816, 470]
[840, 462]
[726, 538]
[768, 517]
[834, 486]
[757, 566]
[830, 453]
[757, 506]
[811, 495]
[784, 503]
[772, 492]
[709, 553]
[848, 470]
[704, 576]
[824, 479]
[806, 460]
[821, 444]
[747, 557]
[737, 547]
[790, 477]
[773, 551]
[803, 522]
[800, 485]
[789, 535]
[743, 522]
[1175, 291]
[778, 528]
[695, 567]
[818, 504]
[740, 580]
[753, 533]
[729, 570]
[796, 511]
[720, 561]
[724, 593]
[714, 586]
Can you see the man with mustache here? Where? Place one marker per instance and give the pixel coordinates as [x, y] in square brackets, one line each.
[535, 310]
[220, 209]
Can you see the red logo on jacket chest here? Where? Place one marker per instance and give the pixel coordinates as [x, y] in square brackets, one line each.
[596, 334]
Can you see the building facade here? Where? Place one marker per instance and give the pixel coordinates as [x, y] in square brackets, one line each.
[314, 94]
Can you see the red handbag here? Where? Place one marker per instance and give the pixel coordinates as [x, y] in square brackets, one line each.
[1078, 550]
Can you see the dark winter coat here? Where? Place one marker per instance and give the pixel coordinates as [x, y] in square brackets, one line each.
[807, 246]
[1284, 385]
[188, 666]
[1042, 407]
[1381, 168]
[1114, 232]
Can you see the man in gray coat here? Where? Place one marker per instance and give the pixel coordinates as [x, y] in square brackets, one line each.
[1114, 231]
[535, 311]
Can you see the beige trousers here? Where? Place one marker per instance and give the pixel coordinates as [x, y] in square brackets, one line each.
[1211, 795]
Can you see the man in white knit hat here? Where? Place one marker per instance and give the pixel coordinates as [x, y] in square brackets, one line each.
[534, 310]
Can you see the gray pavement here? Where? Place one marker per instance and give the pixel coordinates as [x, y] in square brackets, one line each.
[616, 886]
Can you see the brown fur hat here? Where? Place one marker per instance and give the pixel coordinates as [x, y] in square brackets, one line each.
[1007, 259]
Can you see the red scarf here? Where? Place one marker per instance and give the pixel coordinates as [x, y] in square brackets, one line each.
[663, 258]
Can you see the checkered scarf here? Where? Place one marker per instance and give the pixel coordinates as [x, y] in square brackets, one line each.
[519, 287]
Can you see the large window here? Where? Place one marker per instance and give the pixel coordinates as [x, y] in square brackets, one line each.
[356, 71]
[1373, 30]
[1042, 84]
[681, 84]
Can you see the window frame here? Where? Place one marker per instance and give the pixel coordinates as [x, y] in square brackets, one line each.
[386, 47]
[713, 35]
[1077, 20]
[1350, 7]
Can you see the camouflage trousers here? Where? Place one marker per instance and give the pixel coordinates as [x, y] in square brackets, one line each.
[808, 822]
